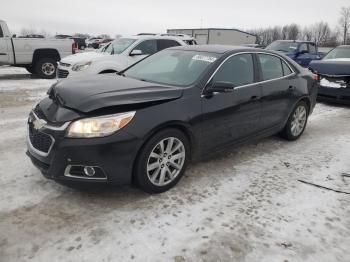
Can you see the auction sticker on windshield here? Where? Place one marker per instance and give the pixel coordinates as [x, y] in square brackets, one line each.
[205, 58]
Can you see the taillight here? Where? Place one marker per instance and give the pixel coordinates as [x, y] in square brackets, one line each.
[74, 48]
[316, 77]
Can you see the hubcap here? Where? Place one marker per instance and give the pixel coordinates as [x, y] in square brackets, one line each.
[298, 121]
[166, 161]
[48, 69]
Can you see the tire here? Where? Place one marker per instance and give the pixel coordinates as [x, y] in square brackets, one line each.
[294, 128]
[30, 69]
[46, 68]
[157, 171]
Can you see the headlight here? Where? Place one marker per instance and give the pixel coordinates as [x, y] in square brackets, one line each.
[99, 126]
[81, 66]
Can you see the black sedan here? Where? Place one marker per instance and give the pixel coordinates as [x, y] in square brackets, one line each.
[334, 74]
[145, 124]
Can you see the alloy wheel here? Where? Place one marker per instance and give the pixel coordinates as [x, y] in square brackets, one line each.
[166, 161]
[298, 120]
[48, 69]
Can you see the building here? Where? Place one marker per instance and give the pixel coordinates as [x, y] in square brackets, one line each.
[217, 36]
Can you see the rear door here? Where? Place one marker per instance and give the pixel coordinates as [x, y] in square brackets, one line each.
[4, 49]
[278, 83]
[231, 116]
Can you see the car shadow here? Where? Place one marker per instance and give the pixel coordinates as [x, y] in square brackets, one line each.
[18, 77]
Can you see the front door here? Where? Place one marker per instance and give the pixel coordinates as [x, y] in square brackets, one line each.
[230, 116]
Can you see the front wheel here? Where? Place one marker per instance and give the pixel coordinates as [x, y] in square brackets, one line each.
[162, 161]
[297, 122]
[46, 68]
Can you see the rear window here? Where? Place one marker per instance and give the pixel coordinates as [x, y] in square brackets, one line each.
[1, 33]
[271, 66]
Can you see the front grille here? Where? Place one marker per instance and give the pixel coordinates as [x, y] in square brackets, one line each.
[62, 73]
[39, 140]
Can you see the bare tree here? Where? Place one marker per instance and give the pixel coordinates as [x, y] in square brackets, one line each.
[321, 32]
[344, 22]
[293, 32]
[307, 33]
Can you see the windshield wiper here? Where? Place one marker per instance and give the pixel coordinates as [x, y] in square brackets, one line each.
[121, 74]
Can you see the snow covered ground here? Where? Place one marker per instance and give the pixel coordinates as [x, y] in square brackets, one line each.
[244, 205]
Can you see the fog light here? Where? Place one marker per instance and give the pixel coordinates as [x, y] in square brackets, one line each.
[89, 171]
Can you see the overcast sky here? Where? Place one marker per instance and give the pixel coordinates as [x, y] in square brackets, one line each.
[133, 16]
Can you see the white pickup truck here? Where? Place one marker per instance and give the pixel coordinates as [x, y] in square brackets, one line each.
[39, 56]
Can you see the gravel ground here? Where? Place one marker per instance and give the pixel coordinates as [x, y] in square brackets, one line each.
[243, 205]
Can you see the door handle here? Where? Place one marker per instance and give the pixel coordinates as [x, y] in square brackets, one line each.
[291, 88]
[255, 98]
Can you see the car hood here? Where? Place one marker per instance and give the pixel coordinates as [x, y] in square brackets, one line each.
[83, 57]
[331, 67]
[89, 93]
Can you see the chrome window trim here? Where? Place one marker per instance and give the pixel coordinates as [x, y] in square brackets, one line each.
[255, 83]
[68, 168]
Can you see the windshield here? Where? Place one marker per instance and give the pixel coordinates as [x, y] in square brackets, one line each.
[172, 67]
[118, 46]
[288, 47]
[339, 52]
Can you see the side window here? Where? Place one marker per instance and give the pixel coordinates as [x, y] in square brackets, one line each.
[303, 48]
[163, 44]
[286, 69]
[312, 48]
[238, 70]
[1, 33]
[271, 66]
[147, 47]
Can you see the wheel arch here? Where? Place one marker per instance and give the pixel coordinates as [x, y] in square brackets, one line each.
[185, 128]
[45, 53]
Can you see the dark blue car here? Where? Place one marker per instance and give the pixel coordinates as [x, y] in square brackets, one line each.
[303, 52]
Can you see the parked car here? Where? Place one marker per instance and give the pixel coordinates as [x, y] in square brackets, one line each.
[334, 73]
[79, 43]
[147, 123]
[38, 55]
[91, 41]
[303, 52]
[98, 43]
[115, 56]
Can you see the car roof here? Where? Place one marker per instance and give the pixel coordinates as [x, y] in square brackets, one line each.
[136, 37]
[219, 49]
[295, 41]
[343, 46]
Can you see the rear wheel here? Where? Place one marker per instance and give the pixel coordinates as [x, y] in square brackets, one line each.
[46, 68]
[297, 122]
[162, 161]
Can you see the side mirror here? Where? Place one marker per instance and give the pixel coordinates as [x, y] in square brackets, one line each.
[220, 87]
[14, 35]
[136, 52]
